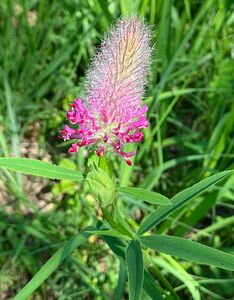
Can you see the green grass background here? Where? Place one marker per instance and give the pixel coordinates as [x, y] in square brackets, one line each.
[45, 49]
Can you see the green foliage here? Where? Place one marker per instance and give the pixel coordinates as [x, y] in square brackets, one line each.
[144, 195]
[175, 246]
[179, 200]
[44, 52]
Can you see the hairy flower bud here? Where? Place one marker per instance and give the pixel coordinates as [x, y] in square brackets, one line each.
[101, 186]
[111, 113]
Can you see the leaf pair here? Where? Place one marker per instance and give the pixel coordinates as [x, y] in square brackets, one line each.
[101, 185]
[180, 200]
[174, 246]
[48, 170]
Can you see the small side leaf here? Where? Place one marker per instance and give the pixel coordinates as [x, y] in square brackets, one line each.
[39, 168]
[189, 250]
[121, 282]
[135, 269]
[144, 195]
[109, 232]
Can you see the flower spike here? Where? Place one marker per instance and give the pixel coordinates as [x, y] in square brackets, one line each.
[111, 113]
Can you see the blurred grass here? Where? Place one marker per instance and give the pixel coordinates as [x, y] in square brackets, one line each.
[45, 49]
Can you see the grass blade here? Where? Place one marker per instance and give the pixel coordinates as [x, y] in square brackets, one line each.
[129, 7]
[121, 282]
[201, 13]
[164, 32]
[50, 266]
[151, 287]
[104, 6]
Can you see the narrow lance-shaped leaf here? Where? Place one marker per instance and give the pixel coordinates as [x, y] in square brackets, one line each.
[121, 282]
[135, 269]
[150, 286]
[39, 168]
[144, 195]
[189, 250]
[179, 200]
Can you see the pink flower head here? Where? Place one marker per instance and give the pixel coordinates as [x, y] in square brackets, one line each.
[111, 113]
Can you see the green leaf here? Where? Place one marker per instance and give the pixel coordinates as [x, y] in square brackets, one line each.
[135, 269]
[109, 232]
[50, 266]
[144, 195]
[179, 200]
[39, 168]
[121, 282]
[170, 266]
[189, 250]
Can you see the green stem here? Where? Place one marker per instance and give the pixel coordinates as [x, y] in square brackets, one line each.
[114, 224]
[109, 218]
[165, 282]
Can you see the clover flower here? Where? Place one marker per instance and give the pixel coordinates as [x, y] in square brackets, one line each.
[111, 113]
